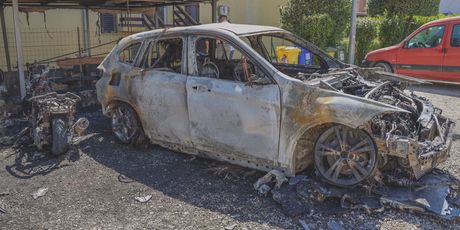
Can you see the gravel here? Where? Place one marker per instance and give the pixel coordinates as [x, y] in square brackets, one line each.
[98, 186]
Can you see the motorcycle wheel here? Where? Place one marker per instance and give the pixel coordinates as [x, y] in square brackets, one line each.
[60, 143]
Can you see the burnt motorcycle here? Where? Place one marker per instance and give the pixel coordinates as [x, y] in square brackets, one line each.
[52, 121]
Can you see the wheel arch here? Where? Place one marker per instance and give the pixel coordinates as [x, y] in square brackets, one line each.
[113, 103]
[305, 144]
[384, 62]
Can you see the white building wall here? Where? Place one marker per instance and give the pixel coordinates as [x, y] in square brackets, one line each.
[449, 7]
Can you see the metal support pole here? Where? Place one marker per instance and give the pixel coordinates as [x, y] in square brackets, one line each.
[352, 44]
[5, 39]
[17, 35]
[86, 39]
[214, 11]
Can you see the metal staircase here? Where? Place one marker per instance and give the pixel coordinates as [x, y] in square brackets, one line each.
[180, 18]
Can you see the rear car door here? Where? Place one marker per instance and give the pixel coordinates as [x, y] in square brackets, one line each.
[422, 55]
[228, 115]
[451, 67]
[159, 91]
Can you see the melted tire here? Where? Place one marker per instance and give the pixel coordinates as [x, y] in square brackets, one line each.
[60, 143]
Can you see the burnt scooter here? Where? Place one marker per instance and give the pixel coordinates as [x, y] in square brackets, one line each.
[52, 115]
[52, 121]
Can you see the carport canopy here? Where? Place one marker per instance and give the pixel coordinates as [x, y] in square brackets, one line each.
[98, 5]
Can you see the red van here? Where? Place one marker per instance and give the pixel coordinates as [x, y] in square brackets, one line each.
[431, 52]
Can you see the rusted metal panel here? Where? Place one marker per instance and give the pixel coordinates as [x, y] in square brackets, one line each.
[227, 116]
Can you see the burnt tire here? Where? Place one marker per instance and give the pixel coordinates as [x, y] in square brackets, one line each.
[126, 126]
[60, 134]
[345, 156]
[385, 66]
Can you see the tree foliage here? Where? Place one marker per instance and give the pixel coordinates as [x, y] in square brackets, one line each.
[403, 7]
[321, 22]
[366, 37]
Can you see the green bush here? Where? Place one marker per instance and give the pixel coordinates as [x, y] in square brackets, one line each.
[403, 7]
[366, 37]
[316, 29]
[393, 30]
[334, 13]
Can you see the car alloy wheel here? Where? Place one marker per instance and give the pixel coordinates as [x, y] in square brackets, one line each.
[345, 156]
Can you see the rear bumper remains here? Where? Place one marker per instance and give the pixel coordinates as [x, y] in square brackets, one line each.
[422, 156]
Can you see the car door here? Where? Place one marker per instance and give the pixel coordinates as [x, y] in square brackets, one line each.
[227, 114]
[158, 88]
[451, 66]
[422, 54]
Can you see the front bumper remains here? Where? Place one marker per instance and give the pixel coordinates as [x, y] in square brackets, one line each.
[422, 156]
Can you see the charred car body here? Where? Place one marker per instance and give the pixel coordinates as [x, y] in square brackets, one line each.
[220, 91]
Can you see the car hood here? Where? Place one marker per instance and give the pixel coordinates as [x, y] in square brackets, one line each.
[387, 89]
[384, 50]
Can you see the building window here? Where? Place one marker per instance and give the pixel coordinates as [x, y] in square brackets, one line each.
[108, 23]
[194, 10]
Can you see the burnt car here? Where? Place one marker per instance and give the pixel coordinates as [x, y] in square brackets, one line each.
[220, 91]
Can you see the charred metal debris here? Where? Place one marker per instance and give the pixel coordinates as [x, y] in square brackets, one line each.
[49, 116]
[435, 194]
[415, 139]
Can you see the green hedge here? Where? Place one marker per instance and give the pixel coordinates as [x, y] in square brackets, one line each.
[316, 29]
[309, 18]
[403, 7]
[366, 37]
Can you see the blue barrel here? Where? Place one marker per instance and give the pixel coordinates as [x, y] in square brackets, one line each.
[305, 57]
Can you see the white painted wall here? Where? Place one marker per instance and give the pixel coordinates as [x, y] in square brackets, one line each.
[449, 7]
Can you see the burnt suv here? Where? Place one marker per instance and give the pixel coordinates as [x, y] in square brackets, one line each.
[221, 91]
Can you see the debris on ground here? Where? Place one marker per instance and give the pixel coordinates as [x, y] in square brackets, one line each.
[435, 194]
[143, 199]
[305, 226]
[334, 225]
[273, 176]
[39, 193]
[4, 194]
[80, 126]
[2, 210]
[231, 227]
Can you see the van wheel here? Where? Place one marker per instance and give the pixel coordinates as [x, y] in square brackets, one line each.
[345, 156]
[386, 67]
[126, 126]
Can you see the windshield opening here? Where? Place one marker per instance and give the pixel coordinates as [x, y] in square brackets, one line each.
[290, 55]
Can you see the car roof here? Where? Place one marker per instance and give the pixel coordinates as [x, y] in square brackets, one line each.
[444, 20]
[237, 29]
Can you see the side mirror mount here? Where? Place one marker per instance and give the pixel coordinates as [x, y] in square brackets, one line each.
[258, 80]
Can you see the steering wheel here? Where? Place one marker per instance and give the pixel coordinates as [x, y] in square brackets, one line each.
[243, 70]
[421, 45]
[209, 69]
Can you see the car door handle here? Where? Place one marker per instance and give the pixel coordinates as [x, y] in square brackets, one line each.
[201, 88]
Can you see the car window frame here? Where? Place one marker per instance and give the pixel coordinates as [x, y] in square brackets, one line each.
[452, 36]
[406, 44]
[198, 36]
[154, 40]
[133, 64]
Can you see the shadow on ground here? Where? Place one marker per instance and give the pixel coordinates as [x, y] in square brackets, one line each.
[216, 186]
